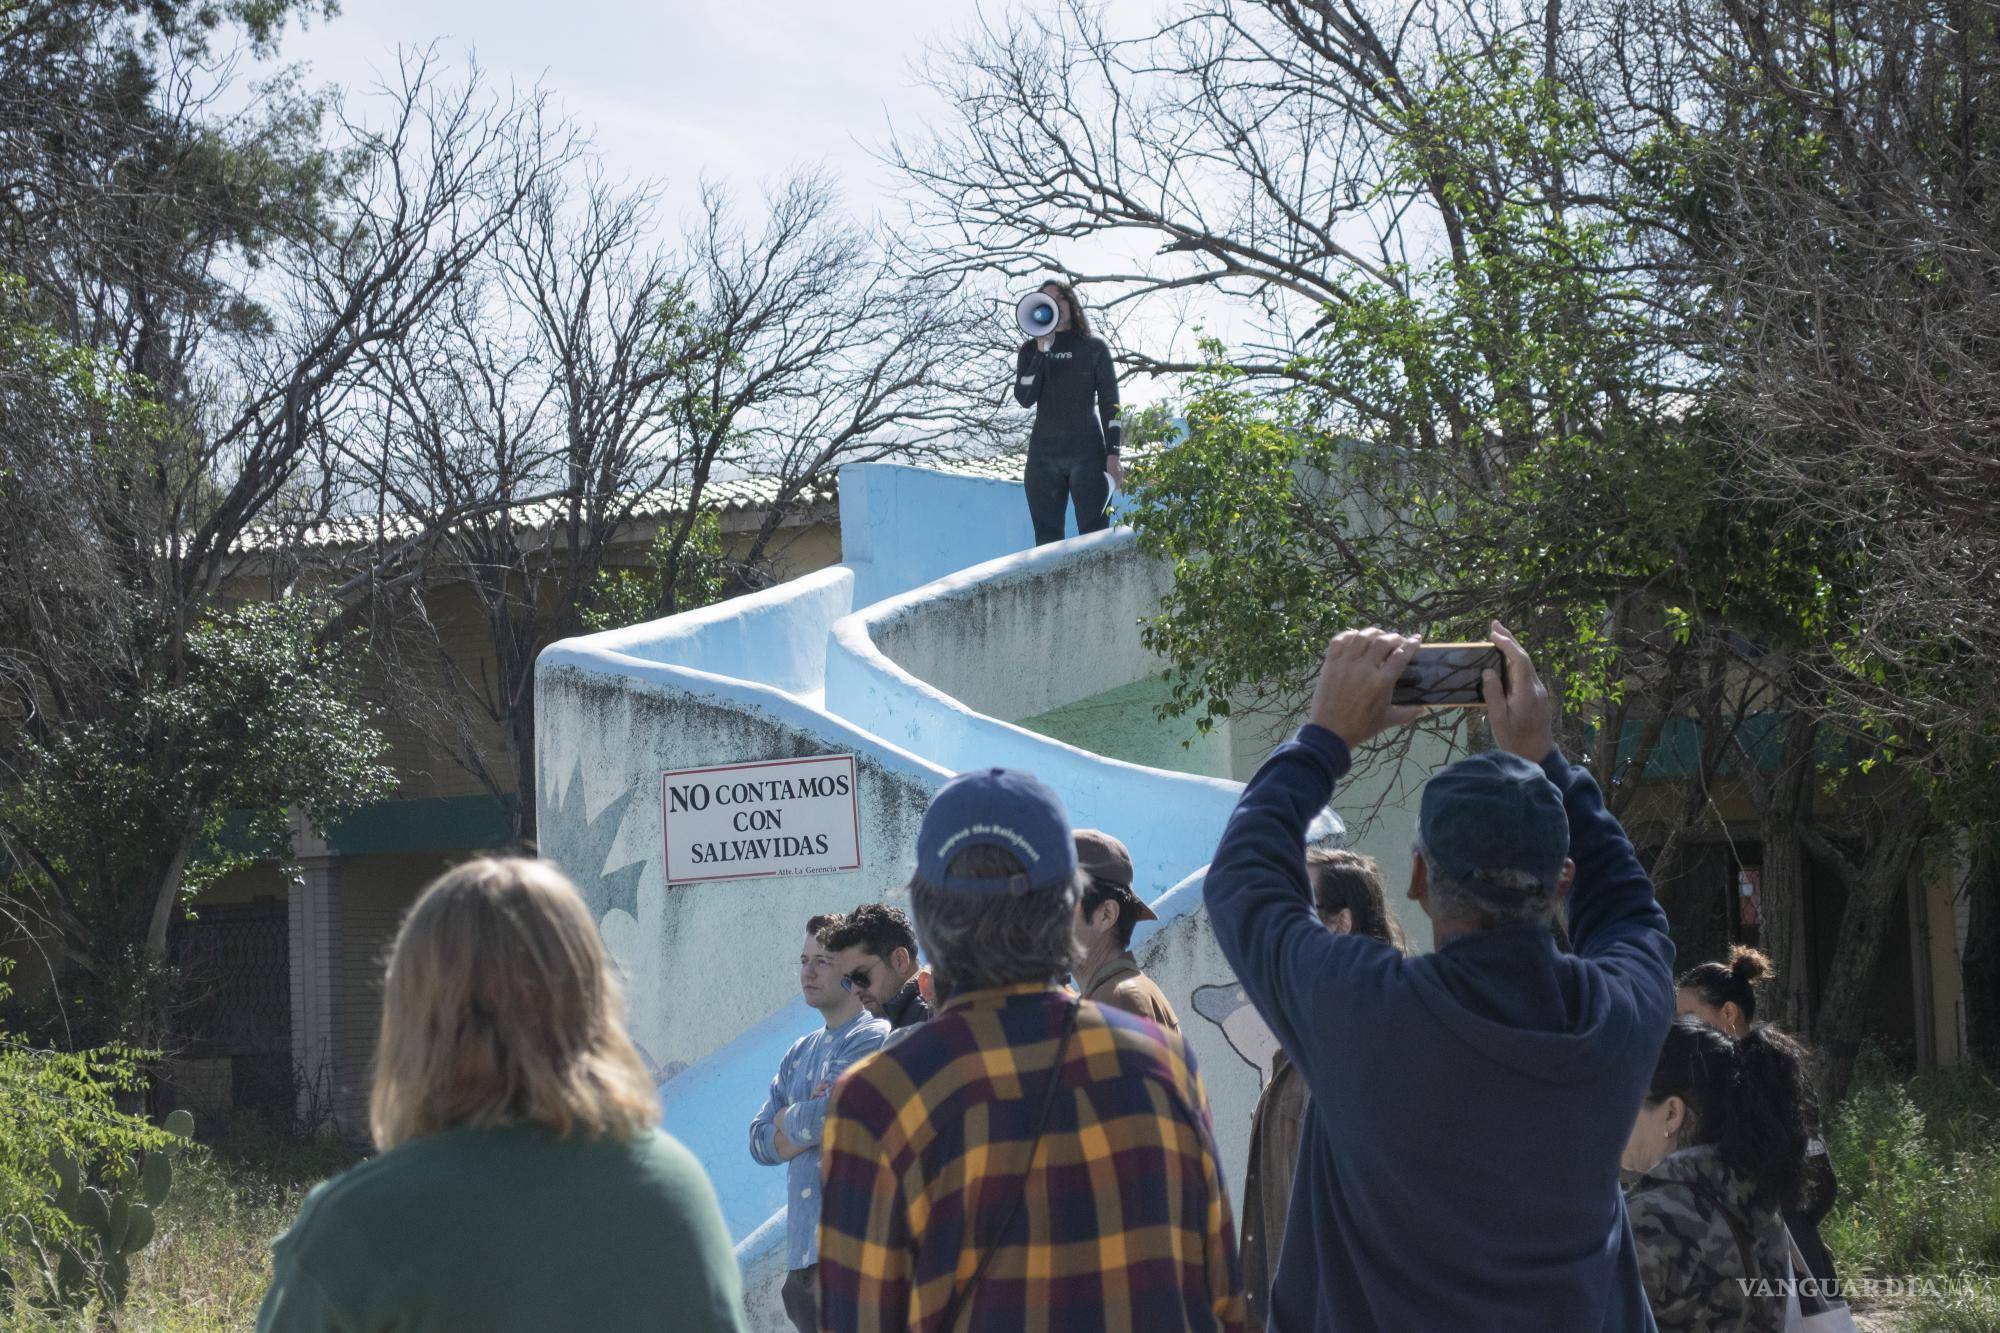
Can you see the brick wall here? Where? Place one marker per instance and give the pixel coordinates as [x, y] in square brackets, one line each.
[344, 916]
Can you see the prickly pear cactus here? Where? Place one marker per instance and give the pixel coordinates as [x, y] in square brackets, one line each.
[156, 1178]
[114, 1220]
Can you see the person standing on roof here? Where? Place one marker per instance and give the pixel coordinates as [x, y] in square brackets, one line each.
[1068, 378]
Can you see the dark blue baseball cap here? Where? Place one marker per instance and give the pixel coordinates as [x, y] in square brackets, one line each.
[1493, 811]
[997, 807]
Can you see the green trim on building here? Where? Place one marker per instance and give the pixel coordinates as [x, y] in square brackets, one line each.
[429, 824]
[1678, 755]
[425, 824]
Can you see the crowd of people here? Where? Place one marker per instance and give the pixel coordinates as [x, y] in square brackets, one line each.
[998, 1125]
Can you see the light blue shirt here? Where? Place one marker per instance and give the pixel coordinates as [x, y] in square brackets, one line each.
[819, 1057]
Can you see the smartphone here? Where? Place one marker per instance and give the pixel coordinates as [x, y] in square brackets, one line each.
[1448, 675]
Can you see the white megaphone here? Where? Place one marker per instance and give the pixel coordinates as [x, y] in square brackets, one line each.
[1037, 313]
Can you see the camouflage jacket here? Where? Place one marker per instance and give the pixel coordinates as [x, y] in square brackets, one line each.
[1690, 1257]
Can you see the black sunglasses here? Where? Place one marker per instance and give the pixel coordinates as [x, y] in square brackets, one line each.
[856, 979]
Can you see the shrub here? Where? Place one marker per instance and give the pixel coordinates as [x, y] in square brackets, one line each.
[67, 1150]
[208, 1271]
[1919, 1170]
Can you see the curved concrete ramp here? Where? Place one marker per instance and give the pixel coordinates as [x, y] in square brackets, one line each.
[921, 656]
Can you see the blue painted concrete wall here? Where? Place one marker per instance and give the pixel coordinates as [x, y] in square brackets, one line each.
[942, 595]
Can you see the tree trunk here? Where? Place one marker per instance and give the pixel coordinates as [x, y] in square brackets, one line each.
[1783, 883]
[1980, 966]
[773, 516]
[164, 898]
[1872, 889]
[1784, 807]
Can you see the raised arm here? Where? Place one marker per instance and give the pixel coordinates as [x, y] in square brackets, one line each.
[1613, 916]
[1029, 366]
[1259, 899]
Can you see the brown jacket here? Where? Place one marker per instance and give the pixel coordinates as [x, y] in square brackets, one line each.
[1120, 984]
[1276, 1127]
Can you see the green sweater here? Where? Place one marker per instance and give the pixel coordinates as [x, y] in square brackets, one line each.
[509, 1229]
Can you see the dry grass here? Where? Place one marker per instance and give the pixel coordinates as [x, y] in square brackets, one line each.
[1918, 1163]
[207, 1270]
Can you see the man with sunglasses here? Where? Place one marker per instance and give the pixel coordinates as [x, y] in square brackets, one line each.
[876, 952]
[787, 1128]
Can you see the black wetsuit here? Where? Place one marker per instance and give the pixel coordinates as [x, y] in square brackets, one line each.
[1074, 392]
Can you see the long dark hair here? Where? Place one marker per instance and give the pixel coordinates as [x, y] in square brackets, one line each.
[1748, 1096]
[1077, 319]
[1735, 981]
[1344, 879]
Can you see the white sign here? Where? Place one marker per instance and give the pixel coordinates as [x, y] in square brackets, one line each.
[750, 821]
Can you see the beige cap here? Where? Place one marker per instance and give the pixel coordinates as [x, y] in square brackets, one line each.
[1104, 858]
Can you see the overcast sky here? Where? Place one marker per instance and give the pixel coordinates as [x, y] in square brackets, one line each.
[741, 91]
[736, 89]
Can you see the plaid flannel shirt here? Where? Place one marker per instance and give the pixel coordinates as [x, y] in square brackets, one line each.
[1125, 1224]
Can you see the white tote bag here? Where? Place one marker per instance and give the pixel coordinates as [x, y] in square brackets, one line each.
[1812, 1312]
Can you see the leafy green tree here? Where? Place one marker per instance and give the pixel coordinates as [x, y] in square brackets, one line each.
[121, 189]
[1486, 433]
[133, 730]
[191, 295]
[196, 769]
[1494, 432]
[671, 581]
[1530, 315]
[1827, 175]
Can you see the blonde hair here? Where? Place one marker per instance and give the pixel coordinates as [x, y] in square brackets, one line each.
[500, 1008]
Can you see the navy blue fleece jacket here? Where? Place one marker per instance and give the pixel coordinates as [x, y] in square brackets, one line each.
[1459, 1167]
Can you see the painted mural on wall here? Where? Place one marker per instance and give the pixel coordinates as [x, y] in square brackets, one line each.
[609, 890]
[1229, 1008]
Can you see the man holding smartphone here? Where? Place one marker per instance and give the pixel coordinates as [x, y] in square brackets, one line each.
[1459, 1163]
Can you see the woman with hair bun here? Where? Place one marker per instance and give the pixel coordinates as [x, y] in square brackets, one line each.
[1719, 1152]
[523, 1182]
[1725, 996]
